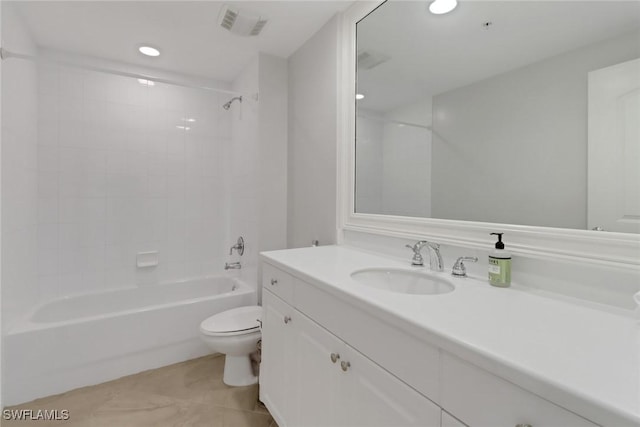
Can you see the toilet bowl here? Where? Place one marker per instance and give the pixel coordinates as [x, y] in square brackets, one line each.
[235, 333]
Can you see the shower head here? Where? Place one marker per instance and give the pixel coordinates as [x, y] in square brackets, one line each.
[228, 104]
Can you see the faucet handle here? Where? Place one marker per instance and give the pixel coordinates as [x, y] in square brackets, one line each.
[239, 246]
[417, 247]
[417, 259]
[459, 269]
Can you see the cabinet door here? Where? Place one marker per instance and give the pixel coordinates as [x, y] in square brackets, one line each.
[480, 399]
[318, 380]
[278, 360]
[374, 397]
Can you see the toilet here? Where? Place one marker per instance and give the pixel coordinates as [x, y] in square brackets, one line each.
[235, 333]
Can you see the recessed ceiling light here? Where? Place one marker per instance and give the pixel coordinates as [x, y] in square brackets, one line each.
[146, 82]
[439, 7]
[183, 127]
[189, 119]
[359, 96]
[149, 51]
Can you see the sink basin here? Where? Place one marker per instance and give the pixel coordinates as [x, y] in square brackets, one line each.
[402, 281]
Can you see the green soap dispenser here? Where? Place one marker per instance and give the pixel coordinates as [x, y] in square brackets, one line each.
[499, 264]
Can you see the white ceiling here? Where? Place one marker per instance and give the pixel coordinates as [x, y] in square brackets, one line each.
[186, 31]
[432, 54]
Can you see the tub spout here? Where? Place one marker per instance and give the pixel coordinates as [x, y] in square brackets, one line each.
[232, 266]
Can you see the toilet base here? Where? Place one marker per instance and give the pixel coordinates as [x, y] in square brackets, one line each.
[238, 372]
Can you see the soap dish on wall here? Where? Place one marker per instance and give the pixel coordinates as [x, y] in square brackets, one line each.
[147, 259]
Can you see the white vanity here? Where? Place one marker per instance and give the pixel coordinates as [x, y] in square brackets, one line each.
[456, 134]
[337, 352]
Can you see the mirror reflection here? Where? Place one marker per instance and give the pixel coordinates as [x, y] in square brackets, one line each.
[505, 112]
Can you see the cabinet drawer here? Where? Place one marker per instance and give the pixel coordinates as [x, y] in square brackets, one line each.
[278, 282]
[479, 398]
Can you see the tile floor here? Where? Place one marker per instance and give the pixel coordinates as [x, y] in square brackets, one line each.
[187, 394]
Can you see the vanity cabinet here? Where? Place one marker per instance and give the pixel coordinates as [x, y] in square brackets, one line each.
[327, 363]
[342, 387]
[278, 358]
[329, 383]
[310, 377]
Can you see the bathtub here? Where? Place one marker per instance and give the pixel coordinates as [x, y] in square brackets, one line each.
[88, 339]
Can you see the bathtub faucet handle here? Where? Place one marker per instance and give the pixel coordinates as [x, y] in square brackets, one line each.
[239, 246]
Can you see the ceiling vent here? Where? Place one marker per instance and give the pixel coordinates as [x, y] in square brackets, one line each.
[241, 22]
[368, 59]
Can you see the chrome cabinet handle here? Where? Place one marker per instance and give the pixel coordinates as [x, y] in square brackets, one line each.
[345, 365]
[287, 319]
[335, 357]
[274, 282]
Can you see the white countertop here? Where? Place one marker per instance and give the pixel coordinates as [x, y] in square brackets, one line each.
[575, 355]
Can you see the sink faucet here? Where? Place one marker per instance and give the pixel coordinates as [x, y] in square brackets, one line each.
[232, 266]
[435, 259]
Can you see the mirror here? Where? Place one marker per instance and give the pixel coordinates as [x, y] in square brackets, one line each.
[523, 113]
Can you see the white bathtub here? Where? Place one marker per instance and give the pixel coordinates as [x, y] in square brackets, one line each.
[87, 339]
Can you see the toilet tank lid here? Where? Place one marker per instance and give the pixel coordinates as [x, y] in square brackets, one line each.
[234, 320]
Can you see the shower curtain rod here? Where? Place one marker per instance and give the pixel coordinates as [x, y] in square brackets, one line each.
[397, 122]
[6, 54]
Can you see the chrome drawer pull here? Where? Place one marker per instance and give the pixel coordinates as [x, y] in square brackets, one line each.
[274, 282]
[287, 319]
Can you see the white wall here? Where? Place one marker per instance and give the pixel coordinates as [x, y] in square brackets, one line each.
[116, 176]
[312, 139]
[273, 132]
[19, 163]
[258, 159]
[536, 117]
[245, 148]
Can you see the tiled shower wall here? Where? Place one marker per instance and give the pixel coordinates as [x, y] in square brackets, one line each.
[19, 159]
[126, 167]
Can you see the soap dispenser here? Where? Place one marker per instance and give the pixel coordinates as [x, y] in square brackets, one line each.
[499, 264]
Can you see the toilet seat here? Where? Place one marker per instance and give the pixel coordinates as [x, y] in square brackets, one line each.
[237, 321]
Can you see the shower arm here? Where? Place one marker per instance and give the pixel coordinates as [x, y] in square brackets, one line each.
[228, 104]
